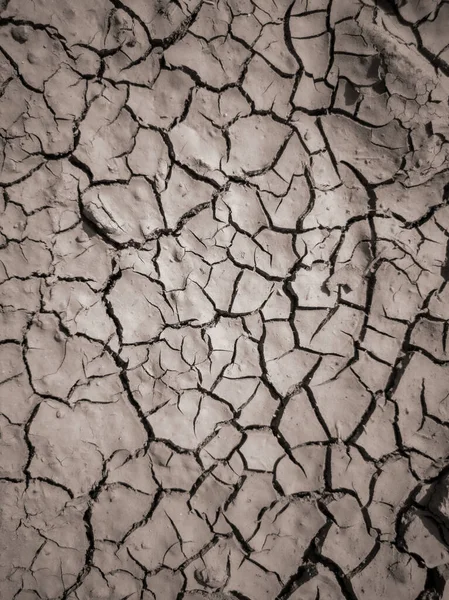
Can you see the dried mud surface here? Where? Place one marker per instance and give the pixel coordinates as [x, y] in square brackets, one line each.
[224, 361]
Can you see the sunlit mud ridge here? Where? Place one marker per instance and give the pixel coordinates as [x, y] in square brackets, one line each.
[224, 300]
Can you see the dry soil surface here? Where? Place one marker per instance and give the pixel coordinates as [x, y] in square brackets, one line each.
[224, 266]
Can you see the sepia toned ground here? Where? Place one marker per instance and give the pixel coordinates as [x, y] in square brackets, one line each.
[224, 300]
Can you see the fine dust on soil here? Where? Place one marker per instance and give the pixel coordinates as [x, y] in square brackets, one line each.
[224, 360]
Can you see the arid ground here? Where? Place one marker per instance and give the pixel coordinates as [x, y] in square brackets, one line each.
[224, 300]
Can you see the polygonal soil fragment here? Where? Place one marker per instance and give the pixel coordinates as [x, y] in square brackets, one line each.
[124, 213]
[255, 144]
[376, 153]
[389, 574]
[139, 306]
[172, 534]
[71, 444]
[163, 103]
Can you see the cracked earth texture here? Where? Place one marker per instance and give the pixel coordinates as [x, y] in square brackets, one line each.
[224, 265]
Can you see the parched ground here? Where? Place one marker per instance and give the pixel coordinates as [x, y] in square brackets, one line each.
[224, 300]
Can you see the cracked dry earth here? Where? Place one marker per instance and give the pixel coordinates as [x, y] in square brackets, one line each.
[224, 361]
